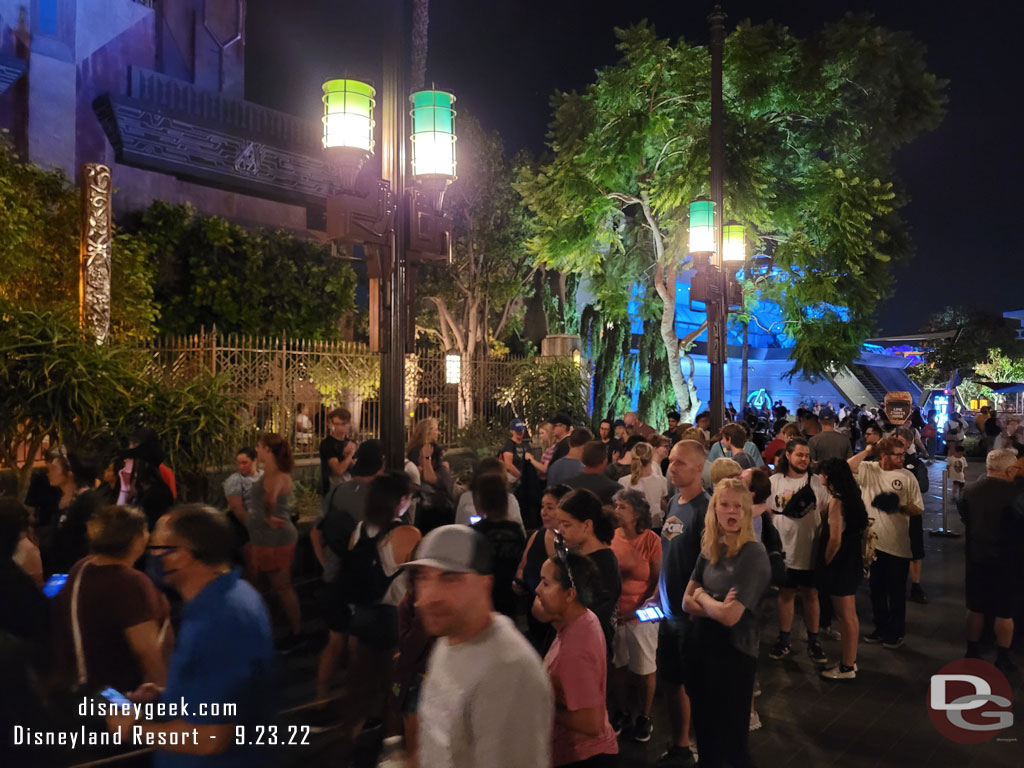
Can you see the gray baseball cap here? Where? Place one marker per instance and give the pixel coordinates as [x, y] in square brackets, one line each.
[454, 549]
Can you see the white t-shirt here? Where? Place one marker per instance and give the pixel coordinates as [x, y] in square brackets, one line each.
[799, 537]
[654, 490]
[465, 509]
[486, 702]
[957, 468]
[893, 529]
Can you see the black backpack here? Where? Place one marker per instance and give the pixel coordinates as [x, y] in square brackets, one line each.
[362, 576]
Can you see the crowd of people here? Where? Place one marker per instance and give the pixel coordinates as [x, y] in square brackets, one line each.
[528, 618]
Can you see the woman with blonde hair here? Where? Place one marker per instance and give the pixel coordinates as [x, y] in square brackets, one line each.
[438, 505]
[731, 576]
[643, 477]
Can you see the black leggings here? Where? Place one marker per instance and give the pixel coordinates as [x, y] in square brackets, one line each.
[720, 683]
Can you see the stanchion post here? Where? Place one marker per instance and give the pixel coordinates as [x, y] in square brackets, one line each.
[945, 531]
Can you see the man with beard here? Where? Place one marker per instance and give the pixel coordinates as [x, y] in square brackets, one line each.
[799, 502]
[486, 698]
[892, 496]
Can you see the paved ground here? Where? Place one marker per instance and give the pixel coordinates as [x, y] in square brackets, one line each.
[879, 719]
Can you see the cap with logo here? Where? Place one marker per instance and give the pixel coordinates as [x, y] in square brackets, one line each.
[517, 425]
[454, 549]
[827, 414]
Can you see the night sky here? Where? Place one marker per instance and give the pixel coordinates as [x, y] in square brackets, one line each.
[503, 60]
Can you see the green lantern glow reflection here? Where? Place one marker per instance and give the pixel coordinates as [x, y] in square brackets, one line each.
[433, 134]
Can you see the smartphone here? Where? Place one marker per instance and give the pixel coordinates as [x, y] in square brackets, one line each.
[114, 696]
[474, 519]
[54, 583]
[652, 613]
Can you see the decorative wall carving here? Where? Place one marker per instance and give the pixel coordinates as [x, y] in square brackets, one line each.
[94, 251]
[168, 125]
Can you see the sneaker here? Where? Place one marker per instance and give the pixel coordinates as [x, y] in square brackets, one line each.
[831, 633]
[779, 651]
[835, 673]
[676, 757]
[642, 729]
[874, 637]
[755, 721]
[817, 654]
[917, 594]
[619, 722]
[892, 645]
[290, 644]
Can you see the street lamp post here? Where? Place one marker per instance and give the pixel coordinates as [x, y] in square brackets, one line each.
[399, 226]
[717, 305]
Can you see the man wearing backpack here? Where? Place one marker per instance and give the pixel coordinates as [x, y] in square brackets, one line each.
[798, 501]
[342, 510]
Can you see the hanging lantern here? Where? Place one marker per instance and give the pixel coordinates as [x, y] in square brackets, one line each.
[702, 226]
[433, 135]
[734, 246]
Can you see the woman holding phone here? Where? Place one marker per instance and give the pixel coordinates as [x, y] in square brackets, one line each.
[730, 577]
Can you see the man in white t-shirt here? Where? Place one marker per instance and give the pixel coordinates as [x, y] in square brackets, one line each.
[892, 496]
[799, 525]
[486, 698]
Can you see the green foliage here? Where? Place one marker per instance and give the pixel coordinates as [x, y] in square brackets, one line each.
[58, 383]
[39, 218]
[542, 387]
[810, 129]
[481, 289]
[211, 272]
[361, 374]
[978, 335]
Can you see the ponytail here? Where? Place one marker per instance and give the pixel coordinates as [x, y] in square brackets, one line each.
[642, 455]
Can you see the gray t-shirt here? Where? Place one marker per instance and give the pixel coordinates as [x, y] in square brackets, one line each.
[749, 573]
[260, 533]
[486, 702]
[830, 445]
[563, 469]
[241, 485]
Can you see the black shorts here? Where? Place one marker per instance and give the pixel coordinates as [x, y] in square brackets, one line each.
[671, 638]
[797, 579]
[337, 614]
[917, 537]
[991, 589]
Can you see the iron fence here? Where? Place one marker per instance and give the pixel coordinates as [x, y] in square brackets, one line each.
[274, 376]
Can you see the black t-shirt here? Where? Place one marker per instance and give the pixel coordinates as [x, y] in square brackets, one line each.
[986, 509]
[70, 537]
[23, 609]
[609, 590]
[507, 544]
[602, 486]
[330, 448]
[561, 449]
[518, 451]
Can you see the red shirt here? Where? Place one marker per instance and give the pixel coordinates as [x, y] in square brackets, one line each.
[770, 450]
[636, 561]
[168, 477]
[579, 674]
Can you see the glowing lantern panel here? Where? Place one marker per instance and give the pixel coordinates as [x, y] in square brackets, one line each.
[433, 134]
[733, 243]
[702, 226]
[348, 115]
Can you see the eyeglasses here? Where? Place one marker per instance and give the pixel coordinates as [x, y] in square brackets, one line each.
[899, 455]
[562, 553]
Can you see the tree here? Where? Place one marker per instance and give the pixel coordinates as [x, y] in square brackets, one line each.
[39, 218]
[542, 387]
[58, 384]
[974, 335]
[211, 272]
[810, 128]
[476, 298]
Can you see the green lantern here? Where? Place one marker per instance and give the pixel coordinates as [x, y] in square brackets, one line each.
[734, 246]
[433, 134]
[702, 226]
[348, 115]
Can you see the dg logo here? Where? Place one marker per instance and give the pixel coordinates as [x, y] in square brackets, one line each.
[970, 701]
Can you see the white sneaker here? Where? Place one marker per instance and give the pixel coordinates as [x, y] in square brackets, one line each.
[755, 721]
[835, 673]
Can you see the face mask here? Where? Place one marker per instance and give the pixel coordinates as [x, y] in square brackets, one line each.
[156, 570]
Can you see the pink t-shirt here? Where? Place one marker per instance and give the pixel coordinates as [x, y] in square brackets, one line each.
[578, 668]
[635, 558]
